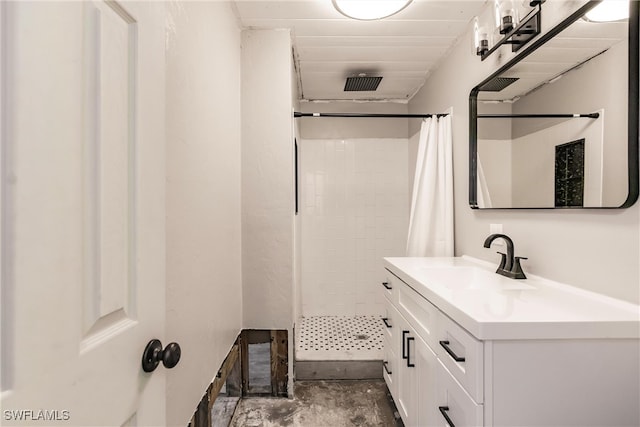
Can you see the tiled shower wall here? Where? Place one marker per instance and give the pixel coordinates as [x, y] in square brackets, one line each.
[354, 210]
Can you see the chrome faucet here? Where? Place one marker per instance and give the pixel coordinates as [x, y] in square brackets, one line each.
[509, 265]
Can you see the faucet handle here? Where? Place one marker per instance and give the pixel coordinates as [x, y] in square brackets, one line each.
[517, 268]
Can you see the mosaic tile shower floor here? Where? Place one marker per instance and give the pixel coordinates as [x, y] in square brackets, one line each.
[339, 338]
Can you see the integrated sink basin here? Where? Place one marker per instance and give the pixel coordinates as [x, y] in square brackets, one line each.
[468, 278]
[504, 346]
[492, 306]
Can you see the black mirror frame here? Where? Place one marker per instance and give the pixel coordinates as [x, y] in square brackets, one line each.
[633, 107]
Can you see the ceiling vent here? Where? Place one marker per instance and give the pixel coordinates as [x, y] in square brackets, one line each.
[361, 83]
[497, 84]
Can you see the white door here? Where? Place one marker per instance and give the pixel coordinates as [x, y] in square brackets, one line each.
[82, 205]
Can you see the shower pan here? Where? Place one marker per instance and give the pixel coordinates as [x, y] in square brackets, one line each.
[340, 338]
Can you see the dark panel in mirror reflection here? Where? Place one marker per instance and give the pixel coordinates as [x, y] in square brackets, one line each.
[569, 174]
[579, 67]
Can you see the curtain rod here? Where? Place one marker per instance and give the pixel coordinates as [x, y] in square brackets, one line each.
[543, 116]
[372, 115]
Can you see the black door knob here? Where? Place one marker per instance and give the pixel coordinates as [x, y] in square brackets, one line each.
[153, 354]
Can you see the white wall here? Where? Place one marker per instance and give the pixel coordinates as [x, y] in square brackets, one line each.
[354, 211]
[534, 157]
[494, 154]
[268, 225]
[495, 158]
[600, 84]
[204, 305]
[267, 180]
[595, 250]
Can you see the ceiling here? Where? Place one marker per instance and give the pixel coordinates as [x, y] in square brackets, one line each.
[577, 44]
[329, 47]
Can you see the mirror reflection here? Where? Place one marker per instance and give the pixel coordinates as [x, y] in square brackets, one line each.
[552, 130]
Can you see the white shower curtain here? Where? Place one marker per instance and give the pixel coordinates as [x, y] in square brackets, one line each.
[431, 220]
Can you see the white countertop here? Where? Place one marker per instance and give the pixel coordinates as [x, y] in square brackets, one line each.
[493, 307]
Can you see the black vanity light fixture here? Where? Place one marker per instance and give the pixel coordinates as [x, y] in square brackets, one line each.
[503, 25]
[481, 37]
[506, 15]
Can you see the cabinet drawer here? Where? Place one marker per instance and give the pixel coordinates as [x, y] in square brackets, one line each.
[389, 286]
[390, 322]
[419, 312]
[462, 354]
[389, 368]
[453, 402]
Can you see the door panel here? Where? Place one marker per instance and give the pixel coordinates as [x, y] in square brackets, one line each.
[109, 159]
[82, 211]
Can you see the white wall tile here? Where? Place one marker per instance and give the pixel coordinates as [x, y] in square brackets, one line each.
[356, 212]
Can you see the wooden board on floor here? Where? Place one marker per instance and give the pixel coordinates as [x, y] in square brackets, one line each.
[234, 380]
[223, 410]
[223, 373]
[202, 416]
[244, 361]
[279, 363]
[338, 370]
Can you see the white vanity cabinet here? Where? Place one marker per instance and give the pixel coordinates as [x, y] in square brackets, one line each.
[423, 389]
[505, 352]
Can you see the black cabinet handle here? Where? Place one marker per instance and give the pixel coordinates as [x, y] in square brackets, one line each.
[445, 345]
[386, 368]
[386, 322]
[387, 285]
[409, 364]
[443, 411]
[404, 340]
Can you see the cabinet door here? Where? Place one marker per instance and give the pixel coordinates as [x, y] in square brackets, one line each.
[390, 368]
[407, 381]
[426, 373]
[417, 380]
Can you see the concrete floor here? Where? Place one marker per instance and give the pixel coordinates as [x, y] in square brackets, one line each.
[321, 404]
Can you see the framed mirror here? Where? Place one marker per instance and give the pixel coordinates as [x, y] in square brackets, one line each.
[557, 127]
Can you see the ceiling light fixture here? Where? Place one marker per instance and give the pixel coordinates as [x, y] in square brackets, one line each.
[369, 10]
[609, 11]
